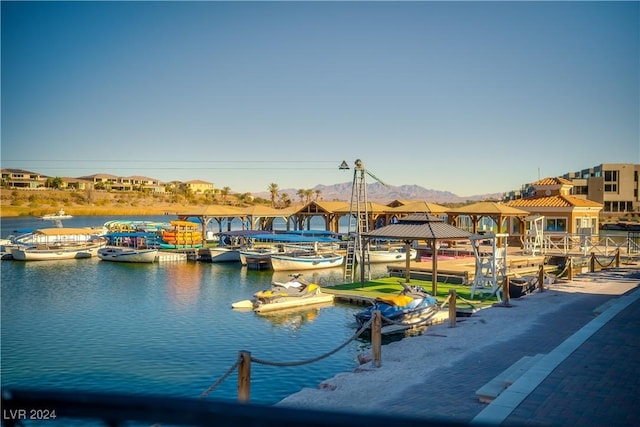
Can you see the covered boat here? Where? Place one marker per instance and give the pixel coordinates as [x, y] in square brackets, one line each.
[58, 251]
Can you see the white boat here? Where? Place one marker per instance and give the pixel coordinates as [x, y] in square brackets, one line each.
[388, 255]
[219, 254]
[258, 257]
[128, 255]
[54, 235]
[58, 251]
[305, 261]
[57, 216]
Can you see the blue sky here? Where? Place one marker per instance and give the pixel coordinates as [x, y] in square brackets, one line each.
[468, 97]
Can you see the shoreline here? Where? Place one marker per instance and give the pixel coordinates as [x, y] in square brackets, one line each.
[447, 365]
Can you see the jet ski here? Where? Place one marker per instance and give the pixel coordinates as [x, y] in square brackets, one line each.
[409, 307]
[296, 287]
[293, 293]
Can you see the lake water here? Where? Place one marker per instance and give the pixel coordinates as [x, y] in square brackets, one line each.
[163, 328]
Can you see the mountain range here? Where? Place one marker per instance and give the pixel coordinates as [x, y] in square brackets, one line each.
[380, 193]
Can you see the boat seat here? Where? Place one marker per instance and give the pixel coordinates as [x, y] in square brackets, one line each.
[399, 300]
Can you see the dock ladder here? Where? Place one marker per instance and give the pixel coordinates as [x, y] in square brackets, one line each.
[358, 224]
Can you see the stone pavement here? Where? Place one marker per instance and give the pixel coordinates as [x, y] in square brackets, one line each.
[589, 376]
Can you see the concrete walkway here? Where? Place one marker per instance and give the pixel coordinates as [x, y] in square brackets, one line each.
[589, 376]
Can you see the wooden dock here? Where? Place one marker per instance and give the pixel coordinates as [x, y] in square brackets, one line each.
[462, 269]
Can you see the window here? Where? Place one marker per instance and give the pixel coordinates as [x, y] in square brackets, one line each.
[556, 224]
[611, 176]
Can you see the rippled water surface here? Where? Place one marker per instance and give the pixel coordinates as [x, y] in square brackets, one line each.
[162, 328]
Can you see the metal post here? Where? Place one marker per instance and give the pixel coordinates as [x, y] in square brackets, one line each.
[593, 262]
[452, 308]
[244, 377]
[618, 258]
[376, 337]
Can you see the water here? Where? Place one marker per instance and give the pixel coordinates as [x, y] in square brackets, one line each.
[163, 328]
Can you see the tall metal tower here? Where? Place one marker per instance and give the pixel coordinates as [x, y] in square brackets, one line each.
[358, 223]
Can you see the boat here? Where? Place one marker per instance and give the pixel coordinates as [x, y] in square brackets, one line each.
[294, 293]
[305, 260]
[119, 254]
[56, 216]
[58, 250]
[391, 254]
[54, 235]
[410, 307]
[219, 254]
[257, 257]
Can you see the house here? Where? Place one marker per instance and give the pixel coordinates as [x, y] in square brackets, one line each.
[19, 178]
[200, 187]
[562, 211]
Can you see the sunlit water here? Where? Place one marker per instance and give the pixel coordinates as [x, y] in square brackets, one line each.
[163, 328]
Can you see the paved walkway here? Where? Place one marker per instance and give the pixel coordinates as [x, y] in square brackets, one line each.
[589, 376]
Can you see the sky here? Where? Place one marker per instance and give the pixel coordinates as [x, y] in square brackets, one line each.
[467, 97]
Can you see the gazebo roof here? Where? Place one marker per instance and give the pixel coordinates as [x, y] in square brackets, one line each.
[420, 227]
[419, 206]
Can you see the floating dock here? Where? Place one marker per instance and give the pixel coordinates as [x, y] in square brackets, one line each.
[171, 256]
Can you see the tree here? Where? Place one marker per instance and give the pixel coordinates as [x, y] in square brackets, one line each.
[224, 193]
[300, 194]
[54, 182]
[318, 192]
[273, 189]
[307, 194]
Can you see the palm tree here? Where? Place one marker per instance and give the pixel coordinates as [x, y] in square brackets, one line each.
[307, 194]
[224, 193]
[273, 189]
[301, 193]
[317, 194]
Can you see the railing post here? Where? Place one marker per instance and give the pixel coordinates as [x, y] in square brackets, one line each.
[452, 308]
[505, 291]
[376, 337]
[541, 278]
[593, 262]
[244, 377]
[570, 268]
[618, 258]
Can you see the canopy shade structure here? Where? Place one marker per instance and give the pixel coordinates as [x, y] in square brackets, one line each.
[498, 212]
[420, 227]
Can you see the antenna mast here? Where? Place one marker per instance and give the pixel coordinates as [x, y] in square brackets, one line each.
[358, 224]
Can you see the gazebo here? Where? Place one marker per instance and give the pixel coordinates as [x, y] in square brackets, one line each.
[498, 212]
[420, 227]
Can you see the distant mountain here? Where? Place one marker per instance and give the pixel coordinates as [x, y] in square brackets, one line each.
[379, 193]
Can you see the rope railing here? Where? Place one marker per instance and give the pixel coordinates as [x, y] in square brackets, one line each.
[239, 362]
[315, 359]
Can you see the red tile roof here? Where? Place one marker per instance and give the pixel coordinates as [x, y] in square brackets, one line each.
[554, 202]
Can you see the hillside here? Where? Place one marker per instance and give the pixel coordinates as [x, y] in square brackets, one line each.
[377, 192]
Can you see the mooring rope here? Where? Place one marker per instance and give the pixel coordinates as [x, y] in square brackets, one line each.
[220, 380]
[315, 359]
[602, 265]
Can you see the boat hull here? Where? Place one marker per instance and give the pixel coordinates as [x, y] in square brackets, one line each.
[305, 262]
[220, 254]
[35, 254]
[128, 255]
[382, 256]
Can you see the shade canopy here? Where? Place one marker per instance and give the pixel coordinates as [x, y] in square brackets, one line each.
[421, 226]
